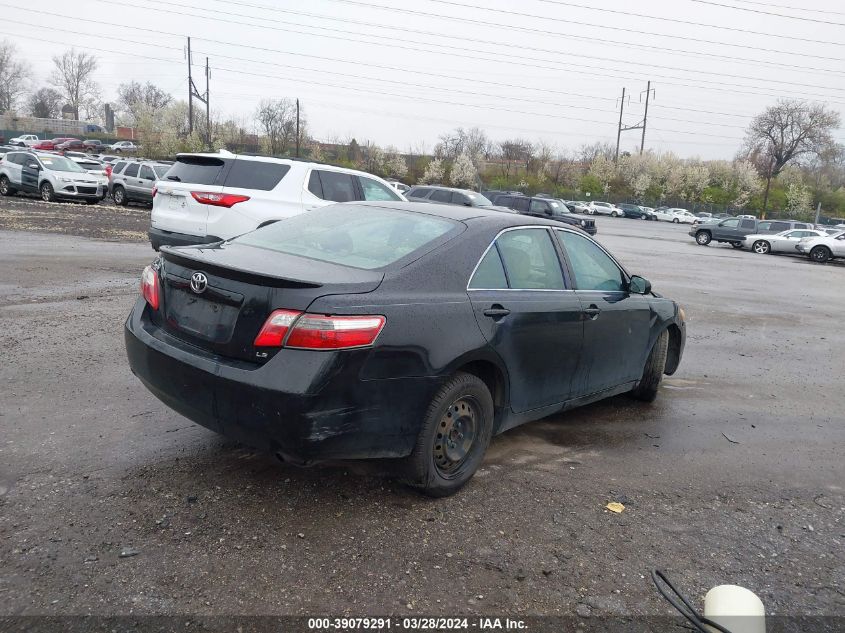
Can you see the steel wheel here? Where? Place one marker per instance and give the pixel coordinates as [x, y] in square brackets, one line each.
[119, 196]
[761, 247]
[456, 434]
[703, 238]
[4, 186]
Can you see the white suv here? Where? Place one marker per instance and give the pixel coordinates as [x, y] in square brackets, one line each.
[51, 176]
[205, 198]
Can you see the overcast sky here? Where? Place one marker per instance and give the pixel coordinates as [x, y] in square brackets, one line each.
[402, 72]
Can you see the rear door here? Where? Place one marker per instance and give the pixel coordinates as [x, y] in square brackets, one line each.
[14, 162]
[146, 180]
[617, 323]
[174, 208]
[529, 316]
[327, 186]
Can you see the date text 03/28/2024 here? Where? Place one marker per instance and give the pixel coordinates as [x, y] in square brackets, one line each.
[415, 624]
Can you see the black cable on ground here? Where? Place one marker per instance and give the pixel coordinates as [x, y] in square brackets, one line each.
[682, 604]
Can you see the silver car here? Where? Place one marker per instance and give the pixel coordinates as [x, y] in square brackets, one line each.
[133, 180]
[51, 176]
[783, 242]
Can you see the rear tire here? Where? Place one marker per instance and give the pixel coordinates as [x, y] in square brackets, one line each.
[47, 193]
[613, 214]
[6, 188]
[676, 221]
[646, 389]
[821, 254]
[119, 196]
[454, 436]
[761, 247]
[736, 244]
[703, 238]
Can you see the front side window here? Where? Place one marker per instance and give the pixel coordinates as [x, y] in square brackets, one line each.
[731, 224]
[748, 224]
[418, 192]
[490, 274]
[592, 268]
[530, 260]
[374, 190]
[520, 204]
[440, 195]
[337, 186]
[538, 206]
[776, 226]
[352, 235]
[764, 226]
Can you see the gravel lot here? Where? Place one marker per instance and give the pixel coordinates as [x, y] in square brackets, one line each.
[111, 504]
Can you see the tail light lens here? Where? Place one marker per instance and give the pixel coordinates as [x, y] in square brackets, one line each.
[149, 287]
[218, 199]
[275, 328]
[316, 331]
[155, 191]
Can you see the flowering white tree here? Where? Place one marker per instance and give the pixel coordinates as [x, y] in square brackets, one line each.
[746, 182]
[394, 163]
[696, 179]
[798, 199]
[604, 170]
[463, 172]
[434, 173]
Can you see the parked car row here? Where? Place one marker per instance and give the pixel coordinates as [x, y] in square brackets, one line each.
[51, 176]
[764, 237]
[62, 144]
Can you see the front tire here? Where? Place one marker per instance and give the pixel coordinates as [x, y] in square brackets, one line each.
[119, 196]
[455, 434]
[613, 214]
[646, 389]
[703, 238]
[47, 193]
[736, 244]
[821, 254]
[676, 221]
[761, 247]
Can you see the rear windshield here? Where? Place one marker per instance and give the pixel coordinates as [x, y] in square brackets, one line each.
[197, 170]
[360, 237]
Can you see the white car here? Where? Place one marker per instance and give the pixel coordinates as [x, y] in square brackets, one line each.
[604, 208]
[401, 187]
[208, 197]
[675, 215]
[783, 242]
[51, 176]
[823, 249]
[747, 217]
[25, 140]
[94, 168]
[123, 146]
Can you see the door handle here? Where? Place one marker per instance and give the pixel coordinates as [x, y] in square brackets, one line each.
[592, 312]
[496, 311]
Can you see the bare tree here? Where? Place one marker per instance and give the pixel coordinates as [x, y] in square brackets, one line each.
[276, 118]
[134, 96]
[73, 76]
[786, 132]
[588, 153]
[45, 103]
[13, 74]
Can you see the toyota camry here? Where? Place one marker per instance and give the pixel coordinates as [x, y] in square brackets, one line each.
[396, 330]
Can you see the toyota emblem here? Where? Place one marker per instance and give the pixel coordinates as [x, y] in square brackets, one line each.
[199, 282]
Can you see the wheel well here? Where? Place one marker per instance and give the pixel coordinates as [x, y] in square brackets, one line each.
[673, 354]
[492, 377]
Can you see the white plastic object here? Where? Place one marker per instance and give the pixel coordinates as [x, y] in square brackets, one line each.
[735, 608]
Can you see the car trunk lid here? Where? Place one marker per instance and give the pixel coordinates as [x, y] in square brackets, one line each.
[235, 289]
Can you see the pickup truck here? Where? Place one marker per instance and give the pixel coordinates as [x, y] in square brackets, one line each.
[24, 140]
[734, 230]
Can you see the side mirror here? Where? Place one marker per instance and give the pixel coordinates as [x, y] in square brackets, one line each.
[33, 166]
[639, 285]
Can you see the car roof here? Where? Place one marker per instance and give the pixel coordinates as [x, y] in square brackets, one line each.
[443, 187]
[460, 213]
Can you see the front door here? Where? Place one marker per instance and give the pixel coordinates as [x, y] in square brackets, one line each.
[30, 169]
[617, 322]
[529, 316]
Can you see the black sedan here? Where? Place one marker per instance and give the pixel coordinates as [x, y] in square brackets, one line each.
[396, 330]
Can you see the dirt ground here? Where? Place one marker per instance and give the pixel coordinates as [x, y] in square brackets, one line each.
[111, 504]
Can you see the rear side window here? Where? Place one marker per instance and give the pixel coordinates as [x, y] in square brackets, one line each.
[374, 190]
[351, 235]
[440, 195]
[750, 224]
[777, 227]
[118, 167]
[520, 204]
[764, 226]
[131, 170]
[490, 274]
[197, 170]
[336, 186]
[147, 173]
[418, 192]
[254, 174]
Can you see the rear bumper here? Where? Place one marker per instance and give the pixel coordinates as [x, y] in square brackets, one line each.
[303, 405]
[159, 238]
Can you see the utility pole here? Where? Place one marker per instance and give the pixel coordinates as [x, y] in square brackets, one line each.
[190, 93]
[297, 127]
[645, 115]
[207, 107]
[619, 128]
[818, 213]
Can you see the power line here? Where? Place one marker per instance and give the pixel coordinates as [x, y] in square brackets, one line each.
[548, 32]
[782, 6]
[465, 38]
[677, 21]
[760, 11]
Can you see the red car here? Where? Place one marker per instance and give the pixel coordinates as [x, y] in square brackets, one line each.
[44, 145]
[70, 144]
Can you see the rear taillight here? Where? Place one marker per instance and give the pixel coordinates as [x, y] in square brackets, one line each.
[286, 328]
[218, 199]
[275, 328]
[149, 287]
[155, 191]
